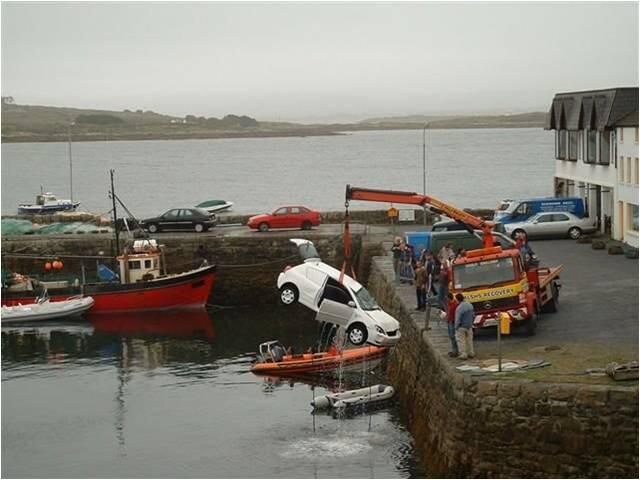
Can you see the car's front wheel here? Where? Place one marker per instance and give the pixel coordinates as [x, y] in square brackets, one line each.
[263, 227]
[357, 334]
[517, 232]
[153, 228]
[199, 227]
[288, 294]
[575, 233]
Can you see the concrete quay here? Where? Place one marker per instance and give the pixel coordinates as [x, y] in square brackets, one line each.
[547, 422]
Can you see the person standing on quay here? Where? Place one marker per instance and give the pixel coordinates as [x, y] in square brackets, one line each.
[396, 250]
[443, 286]
[451, 325]
[464, 327]
[420, 278]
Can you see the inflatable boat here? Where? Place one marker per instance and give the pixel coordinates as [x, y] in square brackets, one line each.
[350, 398]
[46, 310]
[273, 360]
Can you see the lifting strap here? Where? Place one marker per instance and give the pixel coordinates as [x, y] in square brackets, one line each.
[346, 241]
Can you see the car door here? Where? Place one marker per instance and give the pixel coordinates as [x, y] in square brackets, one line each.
[295, 217]
[336, 305]
[185, 219]
[169, 220]
[312, 286]
[560, 225]
[541, 225]
[280, 218]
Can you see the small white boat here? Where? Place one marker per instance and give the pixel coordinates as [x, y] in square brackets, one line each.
[215, 206]
[46, 310]
[350, 398]
[48, 203]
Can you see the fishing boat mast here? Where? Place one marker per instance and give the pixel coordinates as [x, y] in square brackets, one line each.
[115, 215]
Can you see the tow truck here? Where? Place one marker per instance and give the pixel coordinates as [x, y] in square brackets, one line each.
[494, 280]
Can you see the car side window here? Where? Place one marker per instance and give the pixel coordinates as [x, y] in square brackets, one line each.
[281, 211]
[304, 210]
[295, 210]
[186, 214]
[171, 214]
[315, 276]
[545, 218]
[560, 217]
[336, 292]
[522, 209]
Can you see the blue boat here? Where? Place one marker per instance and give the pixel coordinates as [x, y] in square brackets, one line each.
[48, 203]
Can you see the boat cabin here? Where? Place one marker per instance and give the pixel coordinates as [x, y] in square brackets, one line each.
[141, 263]
[46, 199]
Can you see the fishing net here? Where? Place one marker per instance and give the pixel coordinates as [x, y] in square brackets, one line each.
[11, 226]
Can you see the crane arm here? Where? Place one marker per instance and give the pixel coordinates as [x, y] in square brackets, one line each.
[412, 198]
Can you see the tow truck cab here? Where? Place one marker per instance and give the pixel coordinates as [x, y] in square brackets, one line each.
[494, 280]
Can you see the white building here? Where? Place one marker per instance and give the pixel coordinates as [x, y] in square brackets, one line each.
[597, 156]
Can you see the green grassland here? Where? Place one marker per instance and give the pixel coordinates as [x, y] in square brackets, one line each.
[33, 123]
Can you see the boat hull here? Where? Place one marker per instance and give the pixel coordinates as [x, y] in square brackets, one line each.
[320, 362]
[39, 209]
[191, 289]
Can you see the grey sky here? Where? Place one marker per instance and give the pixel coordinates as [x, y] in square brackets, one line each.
[314, 61]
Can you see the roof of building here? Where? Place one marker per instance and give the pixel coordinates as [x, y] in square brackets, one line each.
[594, 109]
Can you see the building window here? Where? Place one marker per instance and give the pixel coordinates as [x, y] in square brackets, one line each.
[605, 138]
[627, 170]
[622, 135]
[573, 145]
[561, 144]
[590, 157]
[635, 171]
[621, 170]
[633, 217]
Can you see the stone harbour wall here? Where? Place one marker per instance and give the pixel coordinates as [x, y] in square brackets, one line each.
[247, 268]
[467, 426]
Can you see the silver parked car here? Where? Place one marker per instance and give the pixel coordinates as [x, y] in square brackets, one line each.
[552, 224]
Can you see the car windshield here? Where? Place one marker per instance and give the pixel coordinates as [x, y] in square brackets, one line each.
[478, 274]
[365, 300]
[307, 250]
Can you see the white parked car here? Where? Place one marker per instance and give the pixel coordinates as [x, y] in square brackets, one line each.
[552, 224]
[348, 304]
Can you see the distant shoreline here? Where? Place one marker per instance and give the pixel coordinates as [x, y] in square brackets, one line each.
[320, 132]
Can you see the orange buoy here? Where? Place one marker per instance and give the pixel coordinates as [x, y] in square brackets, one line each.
[47, 266]
[57, 264]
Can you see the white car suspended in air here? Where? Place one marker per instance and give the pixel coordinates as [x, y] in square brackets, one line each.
[317, 286]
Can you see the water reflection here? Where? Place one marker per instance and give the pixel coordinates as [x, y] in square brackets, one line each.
[145, 395]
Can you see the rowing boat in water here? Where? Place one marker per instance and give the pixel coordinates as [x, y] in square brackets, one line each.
[46, 310]
[268, 363]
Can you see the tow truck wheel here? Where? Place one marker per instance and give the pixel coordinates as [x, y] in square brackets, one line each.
[357, 334]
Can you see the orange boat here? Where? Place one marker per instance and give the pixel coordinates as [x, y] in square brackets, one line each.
[271, 359]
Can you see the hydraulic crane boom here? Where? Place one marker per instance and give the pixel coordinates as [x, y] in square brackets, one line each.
[412, 198]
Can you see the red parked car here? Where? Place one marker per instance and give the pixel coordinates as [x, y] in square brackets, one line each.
[290, 216]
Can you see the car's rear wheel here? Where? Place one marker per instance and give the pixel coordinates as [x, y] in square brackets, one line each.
[575, 233]
[153, 228]
[306, 225]
[357, 334]
[263, 227]
[288, 294]
[517, 232]
[199, 227]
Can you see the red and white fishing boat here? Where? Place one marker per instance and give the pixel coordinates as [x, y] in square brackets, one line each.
[142, 285]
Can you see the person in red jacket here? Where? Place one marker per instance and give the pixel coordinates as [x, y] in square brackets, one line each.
[451, 327]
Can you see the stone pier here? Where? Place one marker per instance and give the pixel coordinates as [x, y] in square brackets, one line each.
[490, 426]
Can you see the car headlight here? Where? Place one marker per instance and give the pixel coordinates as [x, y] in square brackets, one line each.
[379, 330]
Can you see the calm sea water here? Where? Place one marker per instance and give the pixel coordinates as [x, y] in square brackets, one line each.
[470, 168]
[171, 396]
